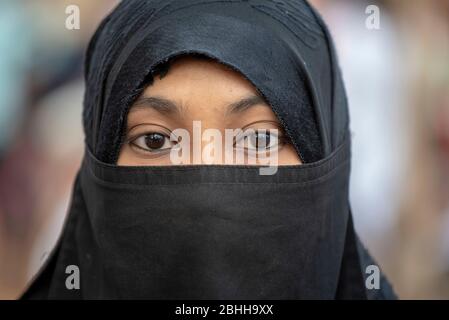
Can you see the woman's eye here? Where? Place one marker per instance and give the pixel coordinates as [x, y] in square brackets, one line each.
[153, 142]
[260, 140]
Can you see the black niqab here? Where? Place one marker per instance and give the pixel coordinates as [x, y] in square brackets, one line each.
[213, 232]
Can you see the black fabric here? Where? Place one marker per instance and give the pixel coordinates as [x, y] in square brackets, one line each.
[351, 281]
[213, 232]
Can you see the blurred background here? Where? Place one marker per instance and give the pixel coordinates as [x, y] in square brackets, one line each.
[397, 79]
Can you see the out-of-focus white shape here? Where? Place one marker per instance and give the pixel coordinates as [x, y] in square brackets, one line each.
[371, 64]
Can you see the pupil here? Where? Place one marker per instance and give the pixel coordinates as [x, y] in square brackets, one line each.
[154, 140]
[261, 141]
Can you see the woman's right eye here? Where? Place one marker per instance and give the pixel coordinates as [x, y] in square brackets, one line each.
[153, 142]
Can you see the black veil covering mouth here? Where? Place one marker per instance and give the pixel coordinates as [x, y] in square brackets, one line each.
[191, 235]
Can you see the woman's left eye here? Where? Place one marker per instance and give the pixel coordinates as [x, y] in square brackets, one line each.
[259, 140]
[153, 142]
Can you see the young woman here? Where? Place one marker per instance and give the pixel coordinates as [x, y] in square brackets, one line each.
[162, 79]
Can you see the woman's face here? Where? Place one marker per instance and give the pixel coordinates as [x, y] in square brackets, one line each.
[198, 95]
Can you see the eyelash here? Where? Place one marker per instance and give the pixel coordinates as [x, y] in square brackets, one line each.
[133, 142]
[280, 140]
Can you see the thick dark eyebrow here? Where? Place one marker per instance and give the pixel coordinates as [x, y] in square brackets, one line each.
[161, 105]
[245, 104]
[166, 106]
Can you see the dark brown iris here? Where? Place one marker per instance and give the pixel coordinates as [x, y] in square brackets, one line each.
[154, 140]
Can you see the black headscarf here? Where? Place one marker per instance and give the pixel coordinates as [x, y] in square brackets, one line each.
[213, 231]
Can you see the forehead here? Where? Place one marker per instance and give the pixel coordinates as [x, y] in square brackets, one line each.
[190, 77]
[191, 88]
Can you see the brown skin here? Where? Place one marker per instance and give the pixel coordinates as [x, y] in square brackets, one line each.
[196, 89]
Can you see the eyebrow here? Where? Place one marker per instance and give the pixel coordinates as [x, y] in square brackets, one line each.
[159, 104]
[245, 104]
[169, 107]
